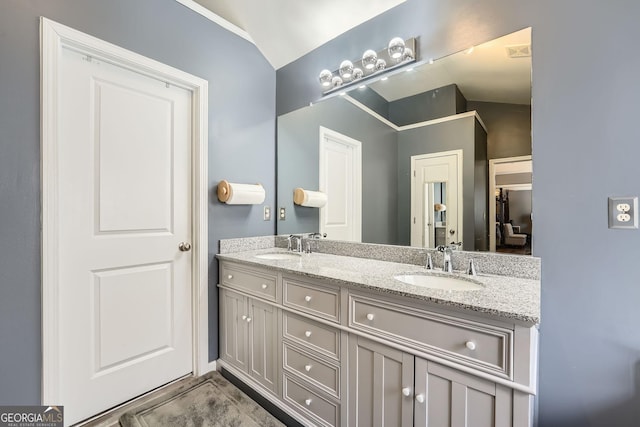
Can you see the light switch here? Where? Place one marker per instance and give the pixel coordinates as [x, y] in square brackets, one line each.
[267, 213]
[283, 214]
[623, 212]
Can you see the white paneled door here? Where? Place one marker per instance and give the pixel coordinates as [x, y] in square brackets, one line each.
[341, 179]
[125, 230]
[436, 199]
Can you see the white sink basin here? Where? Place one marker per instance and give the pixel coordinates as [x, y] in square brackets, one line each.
[278, 256]
[439, 282]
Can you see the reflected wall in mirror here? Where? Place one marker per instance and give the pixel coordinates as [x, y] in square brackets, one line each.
[476, 102]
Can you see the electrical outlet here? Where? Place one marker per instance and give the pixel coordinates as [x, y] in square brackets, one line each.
[267, 213]
[623, 207]
[623, 212]
[283, 214]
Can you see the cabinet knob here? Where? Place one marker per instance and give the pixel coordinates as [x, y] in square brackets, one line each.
[230, 276]
[307, 298]
[470, 345]
[248, 319]
[307, 368]
[406, 391]
[420, 398]
[307, 402]
[244, 317]
[370, 316]
[307, 334]
[264, 286]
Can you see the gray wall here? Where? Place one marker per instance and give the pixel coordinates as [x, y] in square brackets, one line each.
[241, 146]
[432, 104]
[298, 151]
[509, 127]
[450, 135]
[585, 148]
[480, 190]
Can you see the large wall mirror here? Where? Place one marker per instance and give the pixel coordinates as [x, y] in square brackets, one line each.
[435, 154]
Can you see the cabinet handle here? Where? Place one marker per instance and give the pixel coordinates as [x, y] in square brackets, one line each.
[420, 398]
[307, 334]
[370, 316]
[230, 276]
[307, 368]
[307, 402]
[406, 391]
[470, 345]
[244, 317]
[307, 298]
[248, 319]
[264, 286]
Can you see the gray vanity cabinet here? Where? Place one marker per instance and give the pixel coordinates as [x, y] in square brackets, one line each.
[445, 397]
[249, 325]
[331, 355]
[249, 337]
[388, 387]
[380, 385]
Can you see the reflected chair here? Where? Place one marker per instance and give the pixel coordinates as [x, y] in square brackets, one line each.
[511, 238]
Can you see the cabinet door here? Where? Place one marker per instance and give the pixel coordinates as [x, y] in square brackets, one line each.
[263, 343]
[449, 398]
[233, 336]
[380, 385]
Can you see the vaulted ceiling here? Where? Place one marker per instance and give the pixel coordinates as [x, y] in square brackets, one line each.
[285, 30]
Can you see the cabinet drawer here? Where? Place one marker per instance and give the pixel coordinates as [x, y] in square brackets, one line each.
[322, 374]
[474, 344]
[258, 283]
[311, 403]
[321, 338]
[318, 301]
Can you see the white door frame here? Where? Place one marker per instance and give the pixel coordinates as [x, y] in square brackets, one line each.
[459, 190]
[357, 177]
[492, 195]
[55, 37]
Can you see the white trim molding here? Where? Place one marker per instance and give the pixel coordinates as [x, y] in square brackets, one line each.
[198, 8]
[395, 127]
[54, 38]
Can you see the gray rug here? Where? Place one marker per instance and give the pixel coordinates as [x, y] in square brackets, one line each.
[215, 402]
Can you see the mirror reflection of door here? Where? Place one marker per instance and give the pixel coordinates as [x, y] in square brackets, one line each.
[341, 180]
[436, 199]
[435, 214]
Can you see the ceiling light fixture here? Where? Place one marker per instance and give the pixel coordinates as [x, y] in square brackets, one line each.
[398, 53]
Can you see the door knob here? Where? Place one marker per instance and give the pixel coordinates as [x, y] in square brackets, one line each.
[452, 231]
[184, 246]
[420, 398]
[406, 391]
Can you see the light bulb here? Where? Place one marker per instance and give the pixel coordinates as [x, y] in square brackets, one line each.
[369, 59]
[381, 64]
[407, 54]
[396, 48]
[346, 69]
[336, 81]
[325, 78]
[357, 73]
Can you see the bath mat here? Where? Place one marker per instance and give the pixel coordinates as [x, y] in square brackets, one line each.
[215, 402]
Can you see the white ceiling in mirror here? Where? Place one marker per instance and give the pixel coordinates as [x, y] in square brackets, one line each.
[484, 73]
[285, 30]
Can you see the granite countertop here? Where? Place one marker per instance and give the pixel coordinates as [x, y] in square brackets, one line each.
[500, 296]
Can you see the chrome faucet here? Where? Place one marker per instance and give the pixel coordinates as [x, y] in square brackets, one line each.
[447, 251]
[429, 262]
[298, 243]
[317, 236]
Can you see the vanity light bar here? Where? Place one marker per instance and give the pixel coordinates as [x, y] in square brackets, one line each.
[399, 53]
